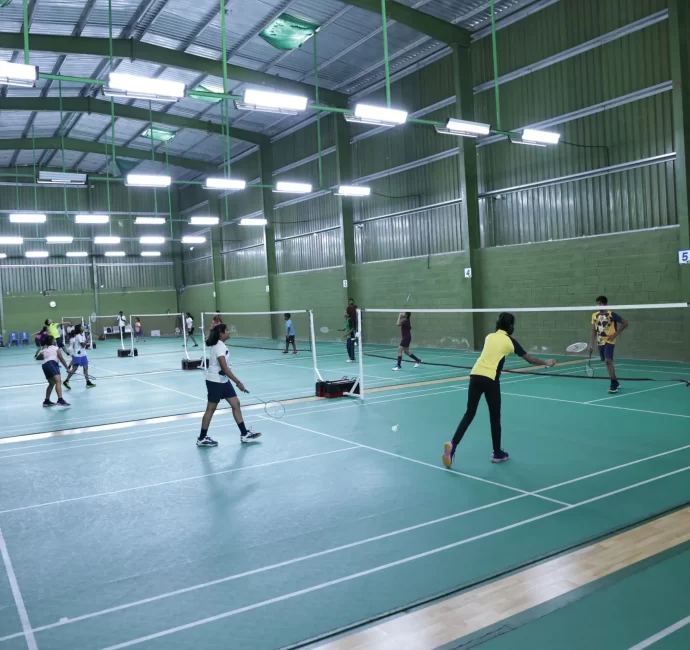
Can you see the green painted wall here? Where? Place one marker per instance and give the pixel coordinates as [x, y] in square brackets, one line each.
[247, 295]
[196, 299]
[629, 268]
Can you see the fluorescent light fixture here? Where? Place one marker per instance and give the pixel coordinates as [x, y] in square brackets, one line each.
[61, 178]
[224, 184]
[353, 190]
[3, 256]
[36, 254]
[106, 240]
[114, 253]
[204, 221]
[252, 221]
[269, 102]
[540, 137]
[149, 221]
[191, 239]
[152, 240]
[292, 188]
[127, 85]
[60, 239]
[91, 218]
[150, 253]
[27, 218]
[18, 74]
[14, 241]
[148, 180]
[158, 134]
[464, 128]
[77, 254]
[378, 115]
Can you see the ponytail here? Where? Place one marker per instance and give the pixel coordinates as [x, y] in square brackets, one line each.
[214, 337]
[506, 322]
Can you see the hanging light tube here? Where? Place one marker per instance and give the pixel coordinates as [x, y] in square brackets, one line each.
[106, 240]
[464, 128]
[77, 254]
[150, 253]
[11, 241]
[292, 188]
[192, 239]
[3, 256]
[115, 253]
[270, 102]
[152, 240]
[91, 218]
[224, 184]
[377, 115]
[204, 221]
[59, 239]
[253, 221]
[149, 221]
[133, 87]
[147, 180]
[537, 138]
[18, 74]
[61, 178]
[353, 190]
[27, 218]
[33, 254]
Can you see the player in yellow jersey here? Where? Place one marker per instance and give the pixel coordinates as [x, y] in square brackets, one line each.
[606, 326]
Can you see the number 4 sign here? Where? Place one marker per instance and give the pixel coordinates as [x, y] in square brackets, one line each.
[683, 257]
[468, 273]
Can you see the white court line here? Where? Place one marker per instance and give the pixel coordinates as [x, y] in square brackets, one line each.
[382, 567]
[637, 392]
[28, 632]
[176, 480]
[172, 390]
[661, 635]
[421, 462]
[269, 567]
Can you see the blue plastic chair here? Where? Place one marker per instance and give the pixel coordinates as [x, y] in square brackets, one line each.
[2, 341]
[25, 340]
[13, 339]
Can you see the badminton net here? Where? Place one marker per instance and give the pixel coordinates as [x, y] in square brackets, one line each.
[654, 346]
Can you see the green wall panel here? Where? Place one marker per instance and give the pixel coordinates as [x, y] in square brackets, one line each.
[29, 311]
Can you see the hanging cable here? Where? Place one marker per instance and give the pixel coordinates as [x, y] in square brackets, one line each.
[386, 63]
[318, 115]
[153, 159]
[494, 48]
[62, 147]
[26, 31]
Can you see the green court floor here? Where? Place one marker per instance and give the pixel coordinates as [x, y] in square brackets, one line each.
[133, 537]
[643, 606]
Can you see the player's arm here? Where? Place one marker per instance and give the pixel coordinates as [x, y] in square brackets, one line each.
[229, 374]
[621, 324]
[348, 330]
[62, 359]
[401, 318]
[535, 361]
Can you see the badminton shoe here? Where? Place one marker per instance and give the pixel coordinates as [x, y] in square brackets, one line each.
[47, 402]
[419, 363]
[206, 442]
[61, 402]
[90, 385]
[66, 385]
[613, 388]
[448, 454]
[499, 456]
[397, 368]
[250, 436]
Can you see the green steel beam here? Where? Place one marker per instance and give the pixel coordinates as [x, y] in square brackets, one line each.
[89, 105]
[469, 184]
[86, 146]
[679, 45]
[136, 50]
[266, 167]
[344, 166]
[422, 22]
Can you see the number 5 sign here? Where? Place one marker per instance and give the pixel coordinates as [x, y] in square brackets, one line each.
[683, 257]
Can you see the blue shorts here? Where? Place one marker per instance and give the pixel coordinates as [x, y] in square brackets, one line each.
[218, 392]
[606, 351]
[79, 362]
[51, 369]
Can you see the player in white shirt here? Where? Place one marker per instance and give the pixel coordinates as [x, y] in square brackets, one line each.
[79, 358]
[218, 378]
[51, 355]
[189, 323]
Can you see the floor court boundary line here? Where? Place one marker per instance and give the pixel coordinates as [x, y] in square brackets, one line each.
[678, 625]
[425, 464]
[383, 567]
[637, 392]
[177, 480]
[27, 631]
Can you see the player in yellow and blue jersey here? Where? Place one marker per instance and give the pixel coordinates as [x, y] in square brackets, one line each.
[606, 326]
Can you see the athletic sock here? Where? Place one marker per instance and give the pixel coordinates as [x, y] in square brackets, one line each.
[417, 359]
[243, 428]
[203, 434]
[399, 362]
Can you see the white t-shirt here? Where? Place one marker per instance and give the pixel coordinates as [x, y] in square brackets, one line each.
[214, 372]
[50, 353]
[77, 349]
[190, 323]
[121, 322]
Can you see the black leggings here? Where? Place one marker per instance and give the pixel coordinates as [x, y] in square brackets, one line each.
[491, 389]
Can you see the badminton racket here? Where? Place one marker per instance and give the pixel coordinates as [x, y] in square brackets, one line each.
[273, 409]
[575, 348]
[589, 371]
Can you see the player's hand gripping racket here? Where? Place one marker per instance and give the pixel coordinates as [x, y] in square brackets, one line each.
[273, 409]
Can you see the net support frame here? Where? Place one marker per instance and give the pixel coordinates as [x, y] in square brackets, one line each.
[359, 383]
[94, 322]
[527, 310]
[308, 312]
[174, 314]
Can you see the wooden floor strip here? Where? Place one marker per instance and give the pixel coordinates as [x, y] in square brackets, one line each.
[474, 610]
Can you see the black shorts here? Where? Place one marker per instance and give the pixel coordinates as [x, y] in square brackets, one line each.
[218, 392]
[60, 342]
[51, 369]
[190, 332]
[290, 338]
[405, 343]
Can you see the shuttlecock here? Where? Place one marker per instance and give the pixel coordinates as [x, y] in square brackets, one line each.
[394, 427]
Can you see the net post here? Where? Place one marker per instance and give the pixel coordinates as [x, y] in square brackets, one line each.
[184, 335]
[317, 374]
[131, 333]
[122, 338]
[203, 341]
[361, 353]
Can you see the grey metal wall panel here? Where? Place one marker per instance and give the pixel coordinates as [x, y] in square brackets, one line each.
[303, 143]
[317, 251]
[25, 276]
[247, 263]
[198, 271]
[130, 273]
[236, 236]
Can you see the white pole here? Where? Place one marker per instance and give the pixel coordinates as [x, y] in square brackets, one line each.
[122, 337]
[184, 335]
[361, 354]
[203, 341]
[131, 333]
[317, 374]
